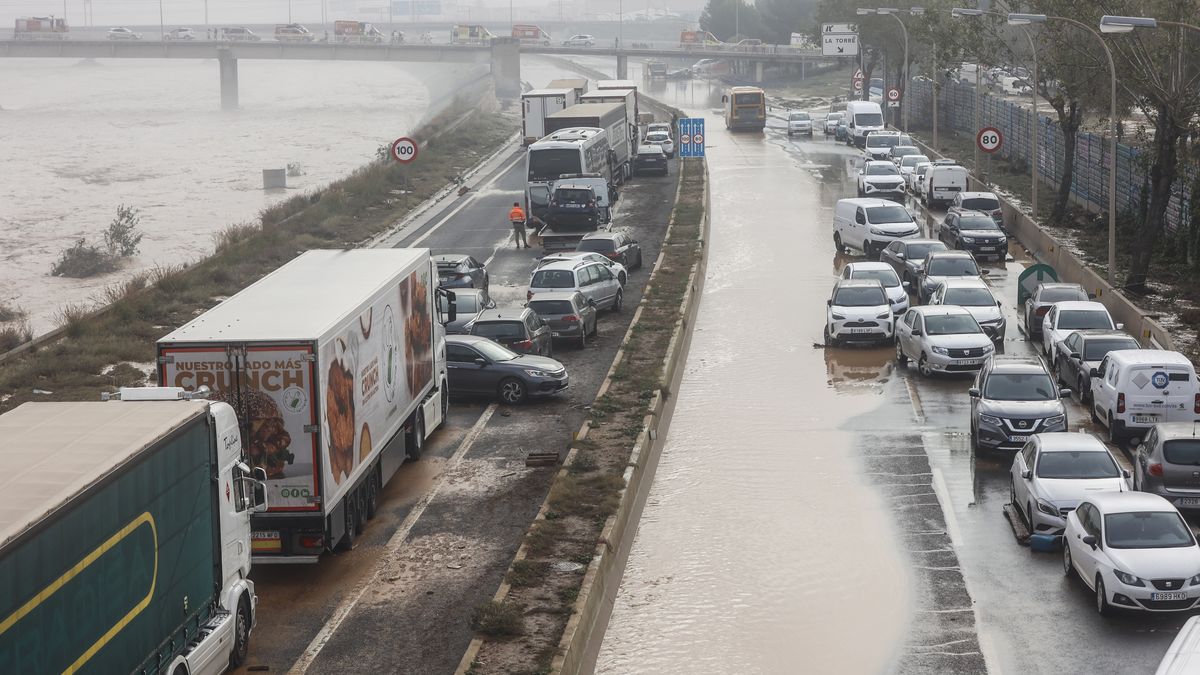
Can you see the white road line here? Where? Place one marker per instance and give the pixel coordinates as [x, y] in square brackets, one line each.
[469, 200]
[351, 601]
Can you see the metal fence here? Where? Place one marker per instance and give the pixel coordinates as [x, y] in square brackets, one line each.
[956, 111]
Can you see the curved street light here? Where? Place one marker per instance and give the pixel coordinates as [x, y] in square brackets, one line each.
[894, 12]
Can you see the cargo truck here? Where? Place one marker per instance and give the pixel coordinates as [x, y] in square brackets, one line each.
[536, 105]
[613, 119]
[359, 32]
[627, 98]
[125, 536]
[40, 28]
[336, 366]
[579, 84]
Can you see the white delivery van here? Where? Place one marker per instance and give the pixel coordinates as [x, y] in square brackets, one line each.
[862, 117]
[1134, 389]
[869, 225]
[942, 182]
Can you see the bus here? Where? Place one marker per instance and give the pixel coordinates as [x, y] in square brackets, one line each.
[745, 109]
[575, 150]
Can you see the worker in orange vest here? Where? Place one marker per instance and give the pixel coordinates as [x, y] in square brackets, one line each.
[516, 216]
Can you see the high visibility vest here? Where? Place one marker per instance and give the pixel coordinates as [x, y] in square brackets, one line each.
[516, 215]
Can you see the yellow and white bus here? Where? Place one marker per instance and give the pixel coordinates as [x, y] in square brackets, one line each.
[745, 109]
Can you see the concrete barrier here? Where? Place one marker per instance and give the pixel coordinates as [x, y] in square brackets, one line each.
[1045, 248]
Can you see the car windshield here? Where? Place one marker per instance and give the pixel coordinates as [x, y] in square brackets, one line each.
[551, 307]
[1076, 319]
[981, 204]
[913, 160]
[1077, 465]
[919, 251]
[1061, 294]
[834, 117]
[888, 169]
[499, 329]
[951, 324]
[860, 296]
[548, 163]
[494, 351]
[1146, 529]
[573, 196]
[1184, 451]
[953, 267]
[869, 119]
[1095, 350]
[596, 245]
[882, 215]
[799, 116]
[448, 266]
[977, 223]
[881, 140]
[886, 277]
[553, 279]
[1019, 387]
[904, 151]
[464, 303]
[969, 297]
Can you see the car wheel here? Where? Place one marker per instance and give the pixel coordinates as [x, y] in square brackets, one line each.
[351, 519]
[639, 265]
[618, 302]
[837, 242]
[1066, 559]
[371, 500]
[973, 439]
[1080, 390]
[1114, 436]
[830, 341]
[623, 278]
[511, 390]
[1092, 410]
[415, 440]
[923, 366]
[1102, 606]
[583, 337]
[549, 349]
[901, 359]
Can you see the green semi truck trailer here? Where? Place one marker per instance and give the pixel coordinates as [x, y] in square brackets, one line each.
[125, 536]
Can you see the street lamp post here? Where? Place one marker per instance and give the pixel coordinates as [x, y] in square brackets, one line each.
[1033, 146]
[1026, 19]
[894, 13]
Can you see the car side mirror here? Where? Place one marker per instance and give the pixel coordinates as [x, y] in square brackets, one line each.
[481, 362]
[1094, 372]
[1091, 296]
[1126, 474]
[1090, 540]
[1073, 355]
[900, 256]
[1120, 326]
[907, 285]
[984, 272]
[260, 490]
[1027, 474]
[829, 303]
[1065, 392]
[973, 392]
[917, 333]
[998, 303]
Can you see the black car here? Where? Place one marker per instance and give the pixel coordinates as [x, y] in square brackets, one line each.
[974, 231]
[907, 257]
[614, 246]
[650, 159]
[520, 329]
[574, 204]
[458, 270]
[1083, 350]
[468, 304]
[479, 366]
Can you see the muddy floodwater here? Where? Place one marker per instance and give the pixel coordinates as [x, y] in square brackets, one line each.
[762, 548]
[81, 137]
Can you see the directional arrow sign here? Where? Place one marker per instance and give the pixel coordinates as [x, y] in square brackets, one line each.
[839, 44]
[1033, 275]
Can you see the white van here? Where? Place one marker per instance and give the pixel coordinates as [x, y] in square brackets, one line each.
[942, 182]
[1134, 389]
[862, 117]
[869, 225]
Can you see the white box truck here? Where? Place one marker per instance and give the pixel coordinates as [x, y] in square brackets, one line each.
[626, 97]
[125, 536]
[336, 366]
[536, 105]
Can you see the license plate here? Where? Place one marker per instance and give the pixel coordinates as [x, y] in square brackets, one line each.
[555, 334]
[266, 541]
[1145, 419]
[966, 362]
[1019, 439]
[1187, 501]
[860, 330]
[1168, 596]
[987, 248]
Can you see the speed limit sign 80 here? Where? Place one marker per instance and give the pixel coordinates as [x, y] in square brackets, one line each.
[404, 150]
[989, 139]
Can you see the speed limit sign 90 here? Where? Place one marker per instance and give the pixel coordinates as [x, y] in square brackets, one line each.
[404, 150]
[989, 139]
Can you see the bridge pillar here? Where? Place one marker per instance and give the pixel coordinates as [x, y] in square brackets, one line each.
[506, 66]
[622, 67]
[229, 79]
[758, 71]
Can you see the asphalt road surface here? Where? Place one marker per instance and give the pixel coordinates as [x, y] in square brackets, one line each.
[976, 599]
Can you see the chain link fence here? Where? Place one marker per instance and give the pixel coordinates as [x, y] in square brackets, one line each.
[956, 111]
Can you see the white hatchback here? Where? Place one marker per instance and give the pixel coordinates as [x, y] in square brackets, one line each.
[1067, 317]
[1134, 551]
[886, 276]
[858, 310]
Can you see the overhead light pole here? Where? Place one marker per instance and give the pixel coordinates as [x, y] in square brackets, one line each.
[1034, 145]
[1027, 19]
[895, 14]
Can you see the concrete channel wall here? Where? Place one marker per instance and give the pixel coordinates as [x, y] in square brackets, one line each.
[580, 642]
[1047, 249]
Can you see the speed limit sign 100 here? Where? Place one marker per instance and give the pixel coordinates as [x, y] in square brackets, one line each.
[989, 139]
[404, 150]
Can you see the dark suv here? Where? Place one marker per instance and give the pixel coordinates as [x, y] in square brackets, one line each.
[974, 231]
[520, 329]
[574, 204]
[1013, 398]
[650, 159]
[615, 246]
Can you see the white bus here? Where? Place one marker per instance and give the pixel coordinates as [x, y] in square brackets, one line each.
[575, 150]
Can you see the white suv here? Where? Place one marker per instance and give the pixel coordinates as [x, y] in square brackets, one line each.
[942, 339]
[597, 282]
[858, 310]
[881, 179]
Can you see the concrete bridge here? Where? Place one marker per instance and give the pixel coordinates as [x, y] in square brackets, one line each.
[503, 54]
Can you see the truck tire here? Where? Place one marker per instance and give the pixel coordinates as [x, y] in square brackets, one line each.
[415, 441]
[241, 633]
[350, 511]
[371, 496]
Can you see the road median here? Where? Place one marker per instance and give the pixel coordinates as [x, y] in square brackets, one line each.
[551, 611]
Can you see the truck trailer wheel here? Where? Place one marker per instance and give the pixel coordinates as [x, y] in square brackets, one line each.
[416, 437]
[241, 634]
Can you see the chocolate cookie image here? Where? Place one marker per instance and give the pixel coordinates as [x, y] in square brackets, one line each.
[339, 411]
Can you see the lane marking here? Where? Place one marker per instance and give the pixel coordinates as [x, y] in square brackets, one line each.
[466, 202]
[348, 603]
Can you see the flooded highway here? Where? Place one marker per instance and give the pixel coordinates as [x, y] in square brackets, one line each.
[808, 497]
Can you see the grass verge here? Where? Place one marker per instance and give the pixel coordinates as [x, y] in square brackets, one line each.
[589, 491]
[80, 363]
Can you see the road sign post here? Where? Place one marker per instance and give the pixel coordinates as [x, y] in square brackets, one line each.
[839, 39]
[893, 97]
[404, 150]
[989, 140]
[857, 80]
